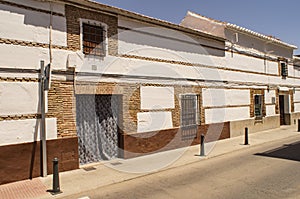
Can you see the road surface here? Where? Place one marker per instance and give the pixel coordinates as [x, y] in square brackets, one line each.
[271, 170]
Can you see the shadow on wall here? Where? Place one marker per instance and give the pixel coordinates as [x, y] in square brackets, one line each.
[287, 151]
[172, 40]
[37, 18]
[35, 136]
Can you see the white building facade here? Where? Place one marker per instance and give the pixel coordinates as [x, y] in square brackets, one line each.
[125, 85]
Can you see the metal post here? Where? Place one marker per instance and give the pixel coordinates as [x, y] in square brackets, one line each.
[298, 125]
[43, 121]
[246, 137]
[202, 152]
[56, 187]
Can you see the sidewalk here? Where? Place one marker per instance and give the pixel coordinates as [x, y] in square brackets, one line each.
[102, 174]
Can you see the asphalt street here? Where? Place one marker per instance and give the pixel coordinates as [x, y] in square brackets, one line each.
[271, 170]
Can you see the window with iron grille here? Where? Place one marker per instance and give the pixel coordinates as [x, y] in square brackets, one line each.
[93, 40]
[189, 110]
[258, 106]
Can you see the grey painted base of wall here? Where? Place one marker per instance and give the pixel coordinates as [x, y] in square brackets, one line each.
[237, 128]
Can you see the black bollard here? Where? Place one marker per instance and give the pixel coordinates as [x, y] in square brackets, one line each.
[56, 188]
[298, 125]
[202, 152]
[246, 137]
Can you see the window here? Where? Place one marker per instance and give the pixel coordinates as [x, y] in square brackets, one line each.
[258, 106]
[189, 110]
[93, 40]
[284, 69]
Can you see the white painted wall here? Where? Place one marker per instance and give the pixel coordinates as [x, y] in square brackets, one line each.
[177, 46]
[26, 25]
[13, 56]
[153, 121]
[269, 95]
[44, 5]
[297, 107]
[226, 114]
[242, 62]
[153, 98]
[225, 97]
[297, 96]
[270, 110]
[17, 98]
[22, 131]
[251, 42]
[125, 66]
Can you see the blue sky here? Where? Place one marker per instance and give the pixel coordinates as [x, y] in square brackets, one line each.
[279, 18]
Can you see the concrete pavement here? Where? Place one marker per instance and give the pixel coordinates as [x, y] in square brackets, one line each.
[97, 175]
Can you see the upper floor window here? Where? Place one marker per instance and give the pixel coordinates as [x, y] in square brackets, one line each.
[283, 68]
[93, 40]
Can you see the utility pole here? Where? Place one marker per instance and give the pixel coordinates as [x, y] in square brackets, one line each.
[44, 86]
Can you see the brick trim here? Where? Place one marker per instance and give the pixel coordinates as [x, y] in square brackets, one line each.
[292, 101]
[20, 117]
[227, 106]
[254, 92]
[270, 104]
[277, 102]
[31, 44]
[18, 79]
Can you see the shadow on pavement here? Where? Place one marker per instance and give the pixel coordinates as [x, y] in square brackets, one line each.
[287, 151]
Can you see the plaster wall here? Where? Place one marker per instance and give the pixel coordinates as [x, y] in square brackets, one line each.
[153, 121]
[218, 115]
[159, 30]
[270, 110]
[22, 131]
[225, 97]
[297, 96]
[17, 98]
[157, 42]
[27, 25]
[13, 56]
[242, 62]
[136, 67]
[44, 5]
[237, 128]
[269, 95]
[258, 44]
[297, 107]
[153, 98]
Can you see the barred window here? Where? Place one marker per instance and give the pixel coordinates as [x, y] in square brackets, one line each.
[284, 69]
[189, 110]
[258, 106]
[93, 40]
